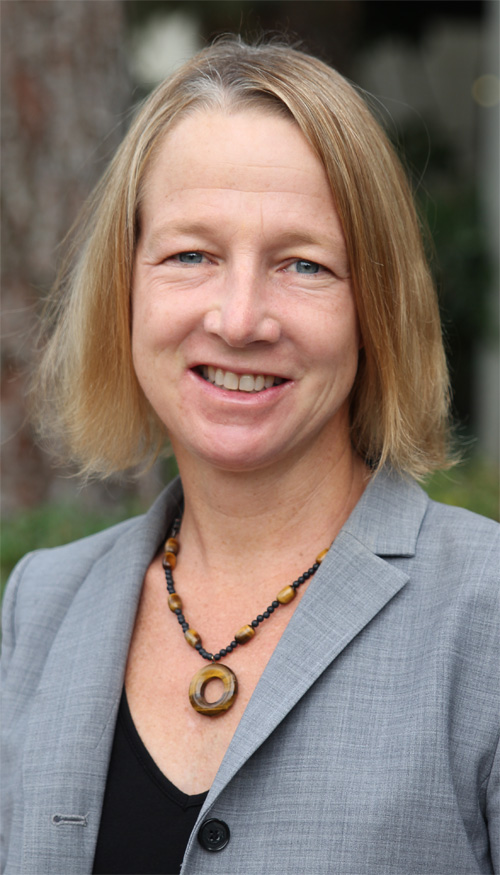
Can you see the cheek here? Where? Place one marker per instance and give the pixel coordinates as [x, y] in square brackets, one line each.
[146, 342]
[333, 338]
[349, 334]
[138, 350]
[148, 324]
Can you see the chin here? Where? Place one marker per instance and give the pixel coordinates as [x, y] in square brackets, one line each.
[238, 461]
[236, 455]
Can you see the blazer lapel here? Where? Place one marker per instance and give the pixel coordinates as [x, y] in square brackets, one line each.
[70, 736]
[352, 585]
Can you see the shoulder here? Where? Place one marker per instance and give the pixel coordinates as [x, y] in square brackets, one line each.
[45, 583]
[61, 568]
[55, 575]
[460, 541]
[48, 584]
[396, 518]
[460, 521]
[451, 556]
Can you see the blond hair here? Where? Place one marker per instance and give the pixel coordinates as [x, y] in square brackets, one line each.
[86, 393]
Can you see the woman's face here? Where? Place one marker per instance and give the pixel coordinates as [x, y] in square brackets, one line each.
[245, 337]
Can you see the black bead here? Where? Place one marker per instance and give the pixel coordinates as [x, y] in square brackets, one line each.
[198, 646]
[276, 604]
[270, 610]
[301, 578]
[229, 648]
[260, 618]
[266, 614]
[254, 624]
[178, 611]
[223, 651]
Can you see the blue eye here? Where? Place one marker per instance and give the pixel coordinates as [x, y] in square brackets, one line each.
[190, 257]
[304, 266]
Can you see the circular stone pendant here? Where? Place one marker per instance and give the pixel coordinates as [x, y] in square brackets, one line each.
[199, 682]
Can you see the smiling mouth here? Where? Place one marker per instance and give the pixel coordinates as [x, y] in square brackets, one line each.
[238, 382]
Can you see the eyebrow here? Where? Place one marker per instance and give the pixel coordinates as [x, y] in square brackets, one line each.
[205, 230]
[179, 228]
[169, 229]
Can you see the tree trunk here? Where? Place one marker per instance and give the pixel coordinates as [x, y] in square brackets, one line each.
[65, 94]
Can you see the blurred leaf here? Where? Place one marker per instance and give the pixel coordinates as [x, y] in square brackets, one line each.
[473, 485]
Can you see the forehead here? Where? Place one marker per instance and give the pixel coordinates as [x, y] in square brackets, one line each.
[249, 150]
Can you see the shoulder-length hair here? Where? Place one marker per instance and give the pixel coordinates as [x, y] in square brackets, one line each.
[86, 393]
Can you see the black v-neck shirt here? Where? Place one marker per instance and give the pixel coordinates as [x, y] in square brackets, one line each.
[146, 821]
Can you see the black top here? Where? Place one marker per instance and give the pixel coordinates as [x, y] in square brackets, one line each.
[146, 821]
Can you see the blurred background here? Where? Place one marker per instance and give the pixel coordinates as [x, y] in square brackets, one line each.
[72, 73]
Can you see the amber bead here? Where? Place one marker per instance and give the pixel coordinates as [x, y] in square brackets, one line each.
[174, 602]
[321, 556]
[244, 634]
[172, 546]
[192, 637]
[286, 595]
[171, 559]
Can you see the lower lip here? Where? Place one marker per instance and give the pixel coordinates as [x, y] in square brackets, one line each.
[234, 396]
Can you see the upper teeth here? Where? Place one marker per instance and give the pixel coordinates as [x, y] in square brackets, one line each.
[245, 382]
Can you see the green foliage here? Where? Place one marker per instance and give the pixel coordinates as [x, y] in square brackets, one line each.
[473, 485]
[457, 246]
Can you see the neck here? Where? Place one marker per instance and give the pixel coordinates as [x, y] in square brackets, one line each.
[256, 518]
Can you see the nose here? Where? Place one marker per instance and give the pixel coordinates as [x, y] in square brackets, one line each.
[241, 314]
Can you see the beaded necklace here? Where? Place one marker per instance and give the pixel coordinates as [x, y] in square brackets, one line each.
[245, 634]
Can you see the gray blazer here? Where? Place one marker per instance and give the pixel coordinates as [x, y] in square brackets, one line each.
[368, 747]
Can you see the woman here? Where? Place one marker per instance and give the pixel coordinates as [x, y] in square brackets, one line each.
[250, 282]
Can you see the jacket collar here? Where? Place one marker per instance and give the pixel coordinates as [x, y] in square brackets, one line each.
[388, 517]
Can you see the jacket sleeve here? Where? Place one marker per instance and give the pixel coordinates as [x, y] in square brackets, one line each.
[12, 698]
[493, 810]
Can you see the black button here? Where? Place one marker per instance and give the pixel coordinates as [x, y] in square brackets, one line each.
[213, 835]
